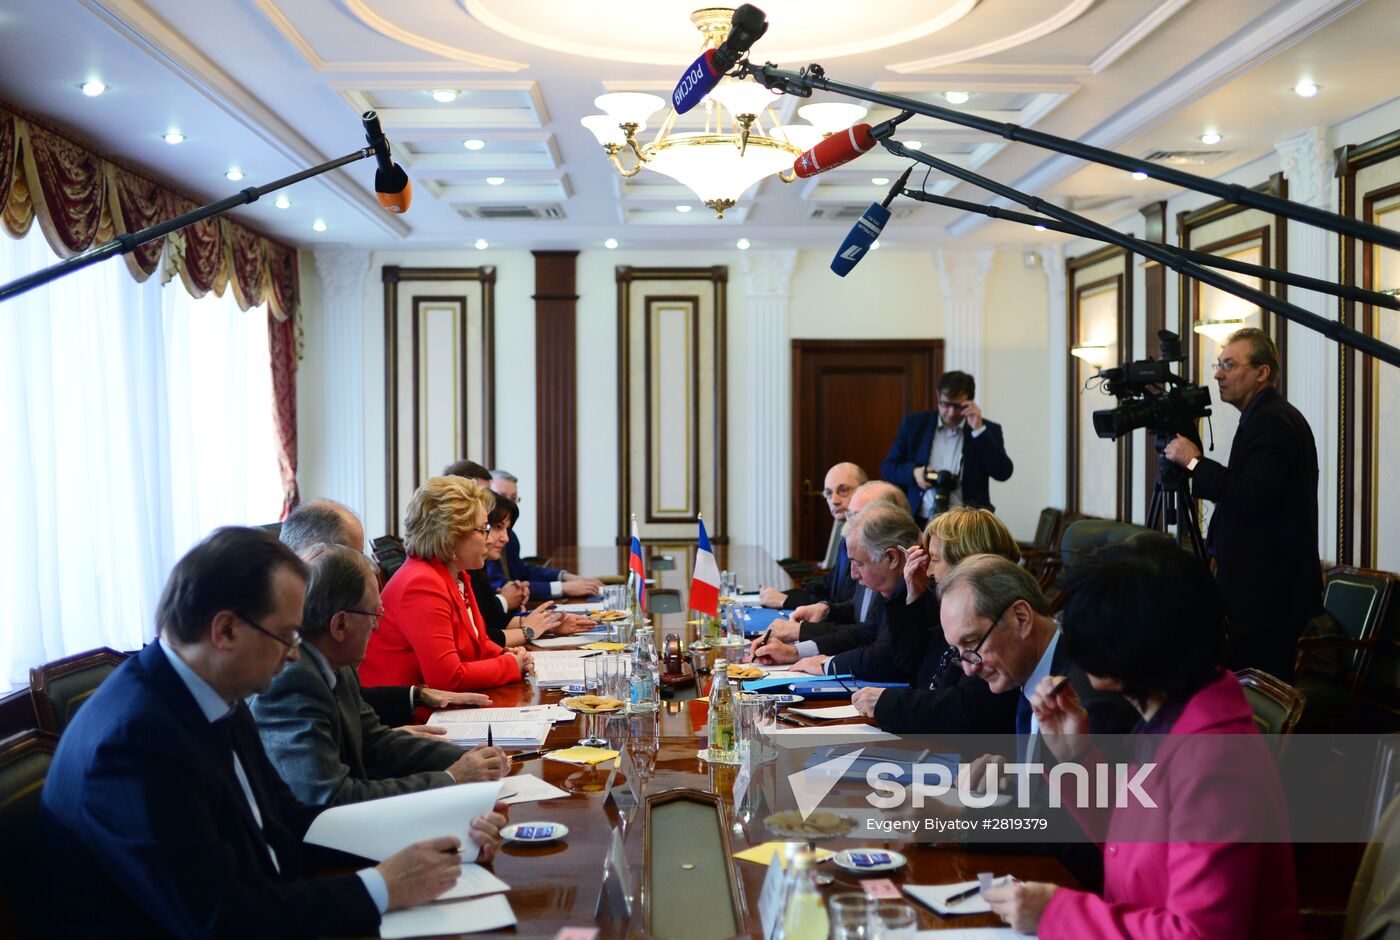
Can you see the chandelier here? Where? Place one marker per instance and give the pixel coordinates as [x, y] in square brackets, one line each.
[742, 141]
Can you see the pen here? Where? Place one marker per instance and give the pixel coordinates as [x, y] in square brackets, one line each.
[789, 720]
[527, 755]
[961, 896]
[595, 653]
[1054, 689]
[489, 742]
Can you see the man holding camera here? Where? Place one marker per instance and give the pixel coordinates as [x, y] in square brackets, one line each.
[1263, 532]
[945, 458]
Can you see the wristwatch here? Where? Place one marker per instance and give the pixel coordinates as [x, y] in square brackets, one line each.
[529, 633]
[1191, 464]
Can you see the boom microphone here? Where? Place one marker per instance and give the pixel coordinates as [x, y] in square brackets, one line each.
[841, 147]
[867, 228]
[745, 28]
[391, 183]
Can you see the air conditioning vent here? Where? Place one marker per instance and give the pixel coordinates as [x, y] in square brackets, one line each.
[511, 212]
[1187, 157]
[1090, 203]
[851, 213]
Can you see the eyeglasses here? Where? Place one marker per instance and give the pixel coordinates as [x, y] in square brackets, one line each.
[483, 529]
[953, 405]
[291, 644]
[972, 657]
[1229, 365]
[374, 616]
[842, 491]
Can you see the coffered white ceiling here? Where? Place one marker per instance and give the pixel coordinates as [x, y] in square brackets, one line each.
[272, 86]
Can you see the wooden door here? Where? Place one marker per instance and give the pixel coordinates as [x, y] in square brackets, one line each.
[848, 398]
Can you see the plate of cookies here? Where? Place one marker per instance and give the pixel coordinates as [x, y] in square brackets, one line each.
[592, 704]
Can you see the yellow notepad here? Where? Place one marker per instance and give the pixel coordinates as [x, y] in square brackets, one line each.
[583, 755]
[764, 853]
[604, 645]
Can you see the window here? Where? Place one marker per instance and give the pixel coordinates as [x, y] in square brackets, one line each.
[135, 419]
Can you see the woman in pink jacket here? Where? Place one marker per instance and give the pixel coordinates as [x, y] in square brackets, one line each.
[1147, 620]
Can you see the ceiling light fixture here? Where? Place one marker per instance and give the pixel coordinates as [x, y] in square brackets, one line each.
[234, 175]
[741, 142]
[684, 208]
[875, 245]
[1092, 354]
[1040, 228]
[1139, 175]
[880, 180]
[495, 180]
[283, 202]
[445, 95]
[473, 143]
[174, 137]
[742, 244]
[482, 244]
[1218, 330]
[914, 144]
[318, 225]
[957, 97]
[1306, 89]
[93, 88]
[610, 244]
[1210, 138]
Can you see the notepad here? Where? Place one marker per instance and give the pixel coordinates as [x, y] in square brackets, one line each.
[503, 733]
[474, 881]
[834, 713]
[582, 755]
[574, 641]
[935, 897]
[764, 853]
[432, 920]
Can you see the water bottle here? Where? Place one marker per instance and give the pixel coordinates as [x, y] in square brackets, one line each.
[721, 721]
[804, 917]
[646, 690]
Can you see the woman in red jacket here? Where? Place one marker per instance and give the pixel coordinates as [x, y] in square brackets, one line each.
[432, 632]
[1212, 860]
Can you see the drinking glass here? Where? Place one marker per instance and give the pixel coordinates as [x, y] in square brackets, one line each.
[593, 682]
[893, 920]
[850, 914]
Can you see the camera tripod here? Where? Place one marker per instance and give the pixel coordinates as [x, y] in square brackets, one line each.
[1171, 500]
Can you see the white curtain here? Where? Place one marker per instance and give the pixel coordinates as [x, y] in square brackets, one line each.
[135, 419]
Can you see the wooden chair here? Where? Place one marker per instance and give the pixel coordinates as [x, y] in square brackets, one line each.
[1277, 706]
[24, 763]
[664, 601]
[389, 554]
[1038, 553]
[58, 689]
[1352, 677]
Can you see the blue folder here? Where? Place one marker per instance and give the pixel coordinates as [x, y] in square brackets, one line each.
[758, 619]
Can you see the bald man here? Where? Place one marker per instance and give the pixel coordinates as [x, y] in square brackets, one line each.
[840, 485]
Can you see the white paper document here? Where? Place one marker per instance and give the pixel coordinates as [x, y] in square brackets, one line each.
[834, 713]
[973, 933]
[935, 897]
[432, 920]
[527, 788]
[854, 732]
[376, 829]
[555, 668]
[474, 882]
[746, 600]
[565, 642]
[447, 717]
[503, 733]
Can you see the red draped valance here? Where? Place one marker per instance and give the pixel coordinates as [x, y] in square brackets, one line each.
[82, 200]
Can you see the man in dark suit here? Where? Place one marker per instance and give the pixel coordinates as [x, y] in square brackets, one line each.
[162, 813]
[838, 489]
[545, 583]
[1263, 532]
[956, 439]
[327, 744]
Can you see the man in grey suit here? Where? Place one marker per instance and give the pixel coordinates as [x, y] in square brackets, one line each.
[327, 744]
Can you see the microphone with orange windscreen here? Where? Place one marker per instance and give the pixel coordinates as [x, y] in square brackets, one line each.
[391, 183]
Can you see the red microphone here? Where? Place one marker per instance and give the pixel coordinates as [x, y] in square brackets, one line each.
[841, 147]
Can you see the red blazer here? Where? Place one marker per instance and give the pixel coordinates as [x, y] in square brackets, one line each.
[1192, 890]
[427, 639]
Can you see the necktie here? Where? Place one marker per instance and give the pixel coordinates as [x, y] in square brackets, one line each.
[1023, 727]
[224, 728]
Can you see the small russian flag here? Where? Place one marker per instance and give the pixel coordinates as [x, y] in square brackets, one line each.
[634, 563]
[704, 584]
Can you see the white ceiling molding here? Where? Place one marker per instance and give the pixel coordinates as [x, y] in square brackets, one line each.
[466, 120]
[1144, 28]
[1045, 27]
[1259, 41]
[361, 11]
[993, 69]
[135, 21]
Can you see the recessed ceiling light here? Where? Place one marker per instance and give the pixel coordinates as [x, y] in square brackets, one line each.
[444, 95]
[174, 137]
[610, 244]
[742, 244]
[318, 225]
[495, 180]
[956, 97]
[875, 245]
[1040, 228]
[1139, 176]
[234, 175]
[684, 208]
[1305, 89]
[473, 143]
[482, 244]
[283, 202]
[93, 88]
[1210, 139]
[880, 180]
[914, 144]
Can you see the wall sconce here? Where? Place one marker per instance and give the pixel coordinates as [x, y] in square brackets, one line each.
[1093, 355]
[1219, 330]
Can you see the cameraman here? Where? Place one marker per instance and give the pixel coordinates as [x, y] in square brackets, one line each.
[954, 439]
[1263, 532]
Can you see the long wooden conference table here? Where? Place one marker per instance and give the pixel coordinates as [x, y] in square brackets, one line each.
[556, 885]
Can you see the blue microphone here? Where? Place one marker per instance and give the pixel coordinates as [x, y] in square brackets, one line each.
[745, 27]
[867, 228]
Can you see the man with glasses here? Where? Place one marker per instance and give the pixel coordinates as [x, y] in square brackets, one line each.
[1263, 530]
[162, 815]
[954, 445]
[840, 485]
[328, 745]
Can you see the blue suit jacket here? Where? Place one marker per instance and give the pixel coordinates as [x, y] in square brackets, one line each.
[984, 459]
[149, 834]
[514, 569]
[836, 585]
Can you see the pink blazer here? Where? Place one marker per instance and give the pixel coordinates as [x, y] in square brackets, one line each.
[427, 637]
[1191, 890]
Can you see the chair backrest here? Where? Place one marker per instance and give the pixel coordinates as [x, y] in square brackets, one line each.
[389, 554]
[1277, 705]
[58, 689]
[1358, 598]
[1047, 528]
[1083, 537]
[663, 601]
[24, 763]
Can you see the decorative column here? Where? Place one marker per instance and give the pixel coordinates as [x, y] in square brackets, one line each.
[768, 281]
[1308, 166]
[556, 400]
[962, 277]
[1052, 262]
[343, 273]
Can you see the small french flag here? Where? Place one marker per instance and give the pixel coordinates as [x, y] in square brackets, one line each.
[634, 563]
[704, 585]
